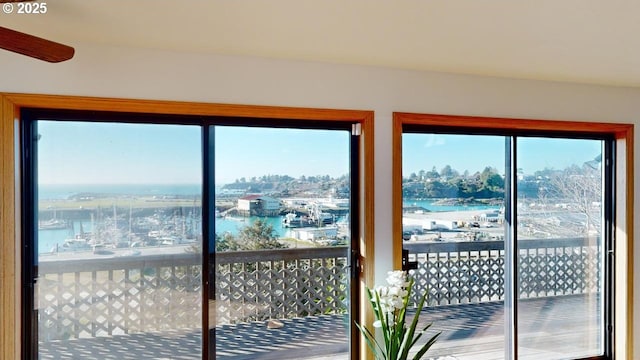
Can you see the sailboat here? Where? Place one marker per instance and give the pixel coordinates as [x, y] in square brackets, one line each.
[53, 223]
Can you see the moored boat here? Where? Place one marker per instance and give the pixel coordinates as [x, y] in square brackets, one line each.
[52, 224]
[73, 244]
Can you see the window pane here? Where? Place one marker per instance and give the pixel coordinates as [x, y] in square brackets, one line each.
[453, 214]
[560, 245]
[282, 239]
[118, 240]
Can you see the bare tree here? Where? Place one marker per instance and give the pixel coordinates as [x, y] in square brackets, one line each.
[568, 203]
[581, 188]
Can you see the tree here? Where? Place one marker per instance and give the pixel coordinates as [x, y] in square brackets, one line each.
[563, 194]
[433, 174]
[491, 180]
[447, 172]
[581, 188]
[259, 235]
[226, 242]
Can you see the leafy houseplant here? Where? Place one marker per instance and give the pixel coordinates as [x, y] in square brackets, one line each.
[389, 305]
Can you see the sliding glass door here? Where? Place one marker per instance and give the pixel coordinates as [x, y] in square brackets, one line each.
[561, 244]
[507, 235]
[117, 235]
[453, 212]
[282, 243]
[123, 214]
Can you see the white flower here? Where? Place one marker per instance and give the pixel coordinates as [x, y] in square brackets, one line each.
[396, 303]
[397, 278]
[394, 290]
[392, 297]
[398, 292]
[382, 291]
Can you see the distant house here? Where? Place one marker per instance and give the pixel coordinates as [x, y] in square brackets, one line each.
[316, 234]
[258, 205]
[494, 216]
[430, 224]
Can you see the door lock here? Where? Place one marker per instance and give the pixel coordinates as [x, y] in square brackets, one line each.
[406, 264]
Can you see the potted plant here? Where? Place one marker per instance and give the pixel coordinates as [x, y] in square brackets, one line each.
[389, 305]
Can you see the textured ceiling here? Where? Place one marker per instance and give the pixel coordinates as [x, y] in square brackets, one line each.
[581, 41]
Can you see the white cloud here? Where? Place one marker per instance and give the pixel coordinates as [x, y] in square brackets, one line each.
[434, 140]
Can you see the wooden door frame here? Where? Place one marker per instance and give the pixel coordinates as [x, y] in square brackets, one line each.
[624, 195]
[10, 254]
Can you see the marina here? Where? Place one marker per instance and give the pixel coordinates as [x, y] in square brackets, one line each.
[117, 222]
[128, 226]
[82, 222]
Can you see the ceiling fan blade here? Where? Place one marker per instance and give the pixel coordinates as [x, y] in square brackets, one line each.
[34, 46]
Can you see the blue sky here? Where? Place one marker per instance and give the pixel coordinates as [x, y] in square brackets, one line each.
[474, 153]
[101, 153]
[247, 152]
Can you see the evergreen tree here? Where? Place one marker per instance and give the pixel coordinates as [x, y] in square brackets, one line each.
[226, 242]
[259, 235]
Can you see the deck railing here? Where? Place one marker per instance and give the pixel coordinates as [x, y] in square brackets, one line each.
[120, 295]
[101, 297]
[275, 284]
[472, 272]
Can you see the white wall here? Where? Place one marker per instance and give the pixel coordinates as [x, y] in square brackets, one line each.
[149, 74]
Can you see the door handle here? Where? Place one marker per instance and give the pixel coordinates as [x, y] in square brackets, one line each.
[406, 264]
[355, 264]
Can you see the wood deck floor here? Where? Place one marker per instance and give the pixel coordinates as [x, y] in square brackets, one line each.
[549, 328]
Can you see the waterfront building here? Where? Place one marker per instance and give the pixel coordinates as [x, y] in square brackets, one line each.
[258, 205]
[315, 234]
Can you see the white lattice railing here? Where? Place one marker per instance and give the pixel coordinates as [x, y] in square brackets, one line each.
[472, 272]
[98, 297]
[275, 284]
[101, 297]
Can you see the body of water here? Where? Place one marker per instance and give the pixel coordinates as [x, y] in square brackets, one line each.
[48, 239]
